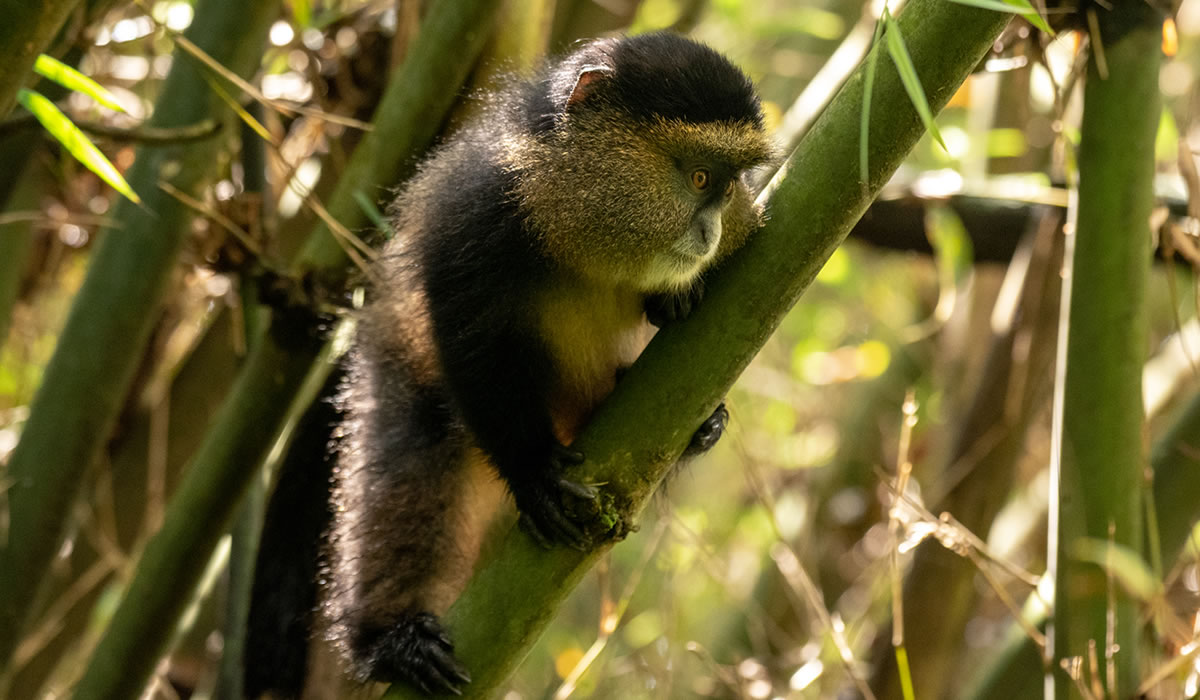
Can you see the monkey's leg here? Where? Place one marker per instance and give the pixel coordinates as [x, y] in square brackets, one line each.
[412, 502]
[396, 563]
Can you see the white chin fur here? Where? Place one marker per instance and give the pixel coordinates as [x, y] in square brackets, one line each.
[673, 273]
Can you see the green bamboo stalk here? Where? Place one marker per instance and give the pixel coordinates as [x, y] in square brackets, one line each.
[25, 32]
[408, 119]
[110, 321]
[635, 436]
[1175, 460]
[247, 526]
[1101, 452]
[167, 572]
[417, 98]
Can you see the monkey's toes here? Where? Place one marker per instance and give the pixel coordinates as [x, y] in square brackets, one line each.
[709, 432]
[419, 651]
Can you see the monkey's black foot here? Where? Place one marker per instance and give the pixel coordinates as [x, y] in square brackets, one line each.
[662, 309]
[419, 651]
[709, 432]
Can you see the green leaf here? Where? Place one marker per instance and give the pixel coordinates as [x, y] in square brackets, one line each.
[864, 124]
[1124, 564]
[908, 76]
[302, 12]
[377, 218]
[951, 244]
[53, 69]
[1017, 7]
[74, 140]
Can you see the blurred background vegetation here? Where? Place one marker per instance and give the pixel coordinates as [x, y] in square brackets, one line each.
[768, 568]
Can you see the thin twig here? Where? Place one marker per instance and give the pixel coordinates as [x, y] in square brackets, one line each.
[216, 216]
[201, 55]
[51, 622]
[611, 619]
[143, 134]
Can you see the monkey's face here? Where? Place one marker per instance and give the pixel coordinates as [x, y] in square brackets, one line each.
[646, 205]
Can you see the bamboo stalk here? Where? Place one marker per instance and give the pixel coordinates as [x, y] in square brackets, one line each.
[176, 556]
[26, 31]
[1101, 456]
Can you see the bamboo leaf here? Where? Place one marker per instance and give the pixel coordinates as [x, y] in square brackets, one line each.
[376, 217]
[864, 124]
[908, 76]
[1017, 7]
[1124, 564]
[302, 11]
[75, 141]
[52, 69]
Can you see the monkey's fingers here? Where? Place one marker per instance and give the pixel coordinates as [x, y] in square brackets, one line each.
[529, 527]
[432, 628]
[558, 510]
[550, 526]
[444, 672]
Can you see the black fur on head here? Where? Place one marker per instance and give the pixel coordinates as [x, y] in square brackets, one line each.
[659, 75]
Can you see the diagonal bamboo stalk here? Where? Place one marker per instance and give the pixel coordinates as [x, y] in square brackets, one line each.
[26, 31]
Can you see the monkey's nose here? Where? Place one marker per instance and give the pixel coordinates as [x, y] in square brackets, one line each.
[708, 233]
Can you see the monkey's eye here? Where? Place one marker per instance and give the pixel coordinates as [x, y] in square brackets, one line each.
[729, 189]
[701, 179]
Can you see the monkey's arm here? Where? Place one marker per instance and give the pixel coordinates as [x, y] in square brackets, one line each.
[499, 373]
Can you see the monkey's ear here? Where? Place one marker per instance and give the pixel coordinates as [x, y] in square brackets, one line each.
[590, 77]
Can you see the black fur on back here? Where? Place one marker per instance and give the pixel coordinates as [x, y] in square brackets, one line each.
[480, 266]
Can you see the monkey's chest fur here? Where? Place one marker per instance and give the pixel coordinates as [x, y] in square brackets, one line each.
[593, 332]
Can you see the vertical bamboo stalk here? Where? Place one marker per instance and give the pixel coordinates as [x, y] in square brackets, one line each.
[1102, 456]
[248, 523]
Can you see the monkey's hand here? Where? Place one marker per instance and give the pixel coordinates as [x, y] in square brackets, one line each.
[662, 309]
[558, 510]
[709, 432]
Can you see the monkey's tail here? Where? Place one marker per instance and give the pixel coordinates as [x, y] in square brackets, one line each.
[283, 599]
